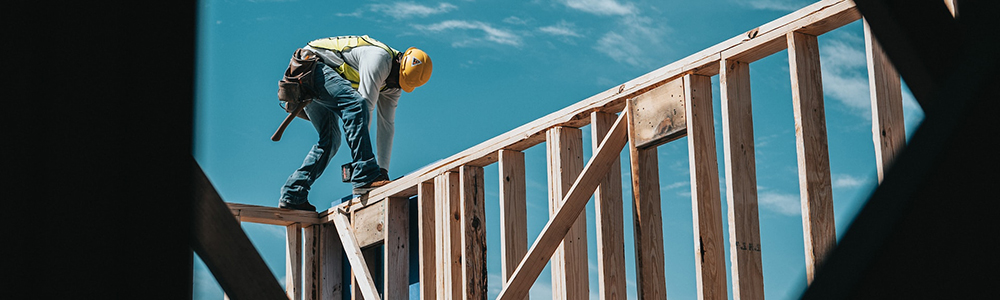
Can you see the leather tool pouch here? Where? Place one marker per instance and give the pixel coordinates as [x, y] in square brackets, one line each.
[297, 84]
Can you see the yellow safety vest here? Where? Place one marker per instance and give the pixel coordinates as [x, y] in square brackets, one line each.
[343, 43]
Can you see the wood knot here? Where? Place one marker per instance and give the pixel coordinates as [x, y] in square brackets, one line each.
[752, 33]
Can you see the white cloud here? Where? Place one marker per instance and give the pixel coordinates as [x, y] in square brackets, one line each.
[563, 28]
[515, 20]
[847, 181]
[779, 5]
[601, 7]
[845, 74]
[405, 10]
[782, 203]
[620, 49]
[491, 34]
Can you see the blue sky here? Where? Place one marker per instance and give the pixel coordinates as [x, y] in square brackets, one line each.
[500, 64]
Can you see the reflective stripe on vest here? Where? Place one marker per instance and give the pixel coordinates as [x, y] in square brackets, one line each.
[343, 43]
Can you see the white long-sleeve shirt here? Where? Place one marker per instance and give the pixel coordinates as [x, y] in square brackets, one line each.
[373, 65]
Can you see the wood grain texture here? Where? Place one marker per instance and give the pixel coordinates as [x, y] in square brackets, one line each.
[293, 261]
[448, 237]
[473, 229]
[888, 128]
[428, 246]
[359, 267]
[658, 115]
[608, 210]
[331, 263]
[811, 145]
[225, 248]
[311, 262]
[710, 264]
[564, 149]
[513, 222]
[396, 282]
[741, 180]
[574, 203]
[272, 215]
[647, 221]
[369, 224]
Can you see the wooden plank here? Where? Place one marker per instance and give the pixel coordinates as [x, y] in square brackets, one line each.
[574, 203]
[647, 221]
[225, 248]
[741, 180]
[272, 215]
[564, 148]
[658, 115]
[473, 228]
[396, 284]
[952, 7]
[811, 145]
[817, 18]
[369, 224]
[331, 263]
[448, 237]
[358, 265]
[428, 261]
[608, 210]
[310, 262]
[373, 256]
[888, 129]
[513, 209]
[710, 264]
[293, 261]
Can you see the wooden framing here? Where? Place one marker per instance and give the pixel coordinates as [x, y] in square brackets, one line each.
[358, 266]
[397, 256]
[741, 180]
[427, 242]
[710, 264]
[810, 140]
[473, 232]
[450, 206]
[647, 221]
[608, 212]
[331, 263]
[293, 261]
[574, 203]
[513, 223]
[888, 129]
[564, 149]
[448, 237]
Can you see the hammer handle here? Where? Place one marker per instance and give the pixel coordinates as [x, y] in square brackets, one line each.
[288, 120]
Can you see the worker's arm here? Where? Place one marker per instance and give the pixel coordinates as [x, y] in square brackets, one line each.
[373, 67]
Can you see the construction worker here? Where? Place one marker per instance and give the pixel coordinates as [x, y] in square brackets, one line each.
[357, 77]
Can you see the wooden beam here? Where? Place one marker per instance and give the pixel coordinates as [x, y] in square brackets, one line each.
[608, 210]
[225, 248]
[473, 229]
[575, 201]
[369, 224]
[817, 18]
[331, 263]
[811, 144]
[358, 266]
[647, 220]
[373, 257]
[397, 253]
[952, 7]
[564, 148]
[311, 259]
[513, 223]
[293, 261]
[710, 264]
[448, 237]
[272, 215]
[741, 180]
[888, 128]
[428, 246]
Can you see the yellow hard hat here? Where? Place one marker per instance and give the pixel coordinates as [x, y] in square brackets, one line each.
[414, 69]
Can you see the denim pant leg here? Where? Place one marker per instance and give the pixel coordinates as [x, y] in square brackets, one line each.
[323, 117]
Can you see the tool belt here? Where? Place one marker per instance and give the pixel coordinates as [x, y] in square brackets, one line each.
[296, 86]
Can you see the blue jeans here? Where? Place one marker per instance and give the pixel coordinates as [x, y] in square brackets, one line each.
[336, 101]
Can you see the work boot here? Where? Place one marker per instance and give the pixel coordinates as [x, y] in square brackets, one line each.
[381, 180]
[302, 206]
